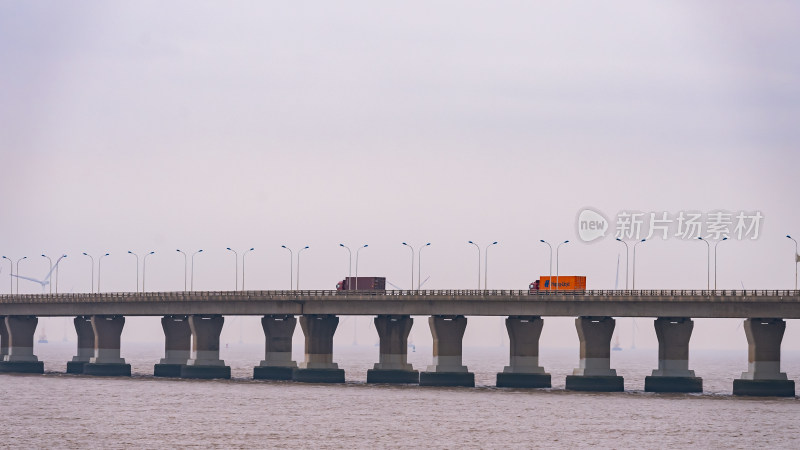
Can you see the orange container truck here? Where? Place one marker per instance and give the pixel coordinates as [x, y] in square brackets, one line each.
[560, 283]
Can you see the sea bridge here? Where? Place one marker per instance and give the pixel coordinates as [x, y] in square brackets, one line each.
[192, 322]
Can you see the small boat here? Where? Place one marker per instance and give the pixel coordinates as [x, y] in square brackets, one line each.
[42, 338]
[616, 347]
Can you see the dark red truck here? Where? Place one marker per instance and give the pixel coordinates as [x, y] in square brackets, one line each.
[362, 284]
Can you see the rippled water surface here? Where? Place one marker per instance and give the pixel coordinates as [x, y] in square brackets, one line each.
[55, 410]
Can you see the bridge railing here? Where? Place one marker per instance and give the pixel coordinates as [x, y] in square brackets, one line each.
[453, 294]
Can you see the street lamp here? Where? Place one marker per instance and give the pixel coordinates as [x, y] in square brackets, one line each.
[550, 286]
[796, 260]
[479, 263]
[99, 260]
[349, 261]
[627, 260]
[137, 270]
[557, 261]
[191, 282]
[715, 261]
[419, 266]
[50, 261]
[708, 263]
[24, 257]
[57, 265]
[10, 275]
[486, 265]
[236, 273]
[90, 257]
[291, 266]
[634, 262]
[357, 252]
[185, 268]
[412, 264]
[144, 270]
[298, 265]
[243, 255]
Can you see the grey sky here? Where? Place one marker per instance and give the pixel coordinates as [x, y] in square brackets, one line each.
[162, 125]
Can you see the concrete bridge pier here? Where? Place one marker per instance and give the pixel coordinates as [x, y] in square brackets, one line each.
[318, 366]
[393, 366]
[764, 376]
[3, 338]
[106, 360]
[673, 374]
[19, 357]
[177, 346]
[277, 363]
[523, 370]
[447, 368]
[83, 328]
[595, 372]
[204, 362]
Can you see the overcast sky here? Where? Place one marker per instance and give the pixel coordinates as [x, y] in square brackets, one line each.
[153, 126]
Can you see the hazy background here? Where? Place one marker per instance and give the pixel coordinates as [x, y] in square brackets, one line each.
[186, 124]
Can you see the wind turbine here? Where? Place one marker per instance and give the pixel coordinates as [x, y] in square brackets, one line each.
[46, 279]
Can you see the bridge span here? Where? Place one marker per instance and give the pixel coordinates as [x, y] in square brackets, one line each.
[192, 322]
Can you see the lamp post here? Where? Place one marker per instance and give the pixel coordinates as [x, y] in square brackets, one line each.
[634, 262]
[412, 264]
[298, 265]
[185, 268]
[191, 285]
[419, 266]
[479, 263]
[357, 252]
[57, 265]
[349, 261]
[90, 257]
[486, 265]
[550, 287]
[243, 255]
[137, 270]
[627, 260]
[708, 263]
[236, 273]
[291, 266]
[10, 275]
[99, 260]
[50, 261]
[557, 261]
[144, 270]
[796, 260]
[715, 261]
[24, 257]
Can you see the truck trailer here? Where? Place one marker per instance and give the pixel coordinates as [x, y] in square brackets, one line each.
[559, 283]
[362, 284]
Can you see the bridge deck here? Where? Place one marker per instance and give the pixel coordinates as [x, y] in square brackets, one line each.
[617, 303]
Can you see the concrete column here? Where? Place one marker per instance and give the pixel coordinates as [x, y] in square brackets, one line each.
[595, 372]
[177, 346]
[764, 376]
[20, 357]
[523, 369]
[318, 366]
[107, 336]
[3, 339]
[447, 368]
[673, 374]
[277, 363]
[204, 361]
[393, 366]
[85, 332]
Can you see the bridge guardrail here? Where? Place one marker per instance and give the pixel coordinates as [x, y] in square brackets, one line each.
[468, 294]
